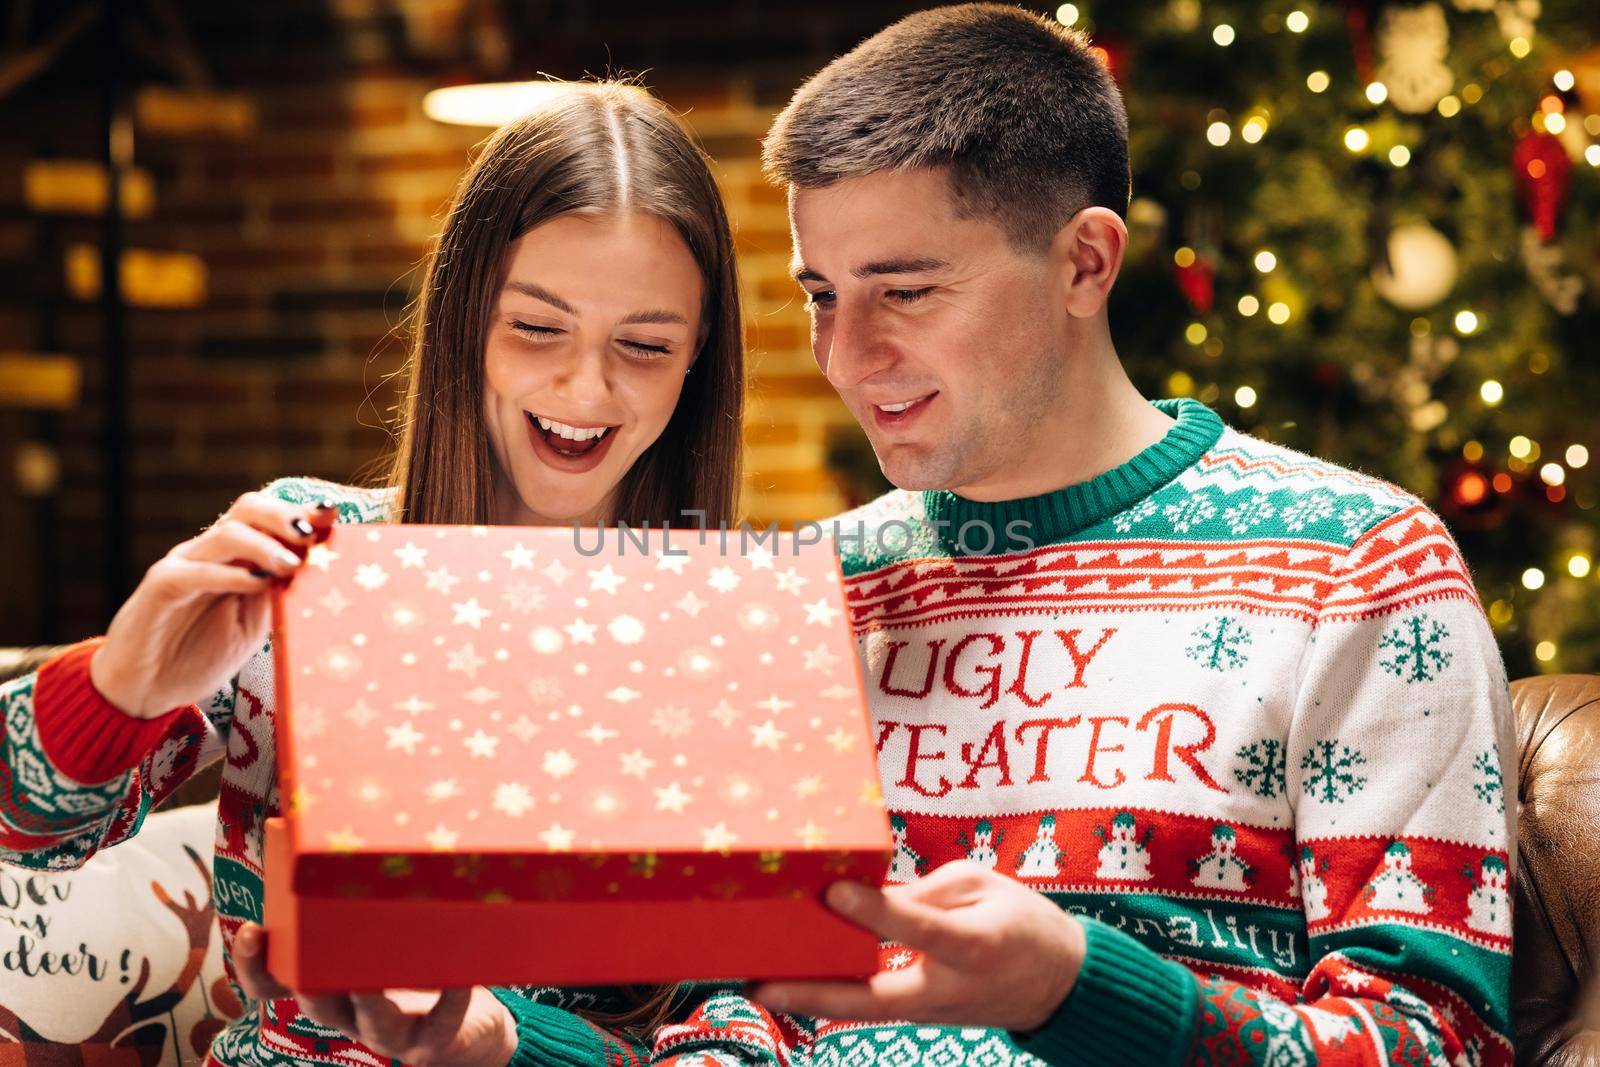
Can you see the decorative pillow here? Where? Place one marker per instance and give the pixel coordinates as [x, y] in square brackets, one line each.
[120, 961]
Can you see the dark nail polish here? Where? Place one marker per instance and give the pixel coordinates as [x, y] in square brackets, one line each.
[301, 527]
[325, 505]
[257, 572]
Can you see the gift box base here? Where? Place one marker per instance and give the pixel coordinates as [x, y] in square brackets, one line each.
[331, 944]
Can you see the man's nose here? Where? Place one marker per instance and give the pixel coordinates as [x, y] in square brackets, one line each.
[855, 348]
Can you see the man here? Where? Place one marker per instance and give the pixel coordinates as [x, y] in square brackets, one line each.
[1227, 719]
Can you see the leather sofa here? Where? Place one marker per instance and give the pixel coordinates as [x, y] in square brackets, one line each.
[1556, 937]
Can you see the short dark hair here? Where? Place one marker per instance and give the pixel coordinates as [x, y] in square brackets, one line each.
[1020, 109]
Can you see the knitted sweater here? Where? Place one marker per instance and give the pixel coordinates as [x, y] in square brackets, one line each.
[1235, 708]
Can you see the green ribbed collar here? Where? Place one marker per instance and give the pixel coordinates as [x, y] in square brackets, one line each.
[1056, 515]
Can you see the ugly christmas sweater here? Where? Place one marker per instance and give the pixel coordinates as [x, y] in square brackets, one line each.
[78, 775]
[1235, 708]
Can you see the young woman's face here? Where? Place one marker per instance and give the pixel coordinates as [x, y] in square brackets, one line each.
[587, 347]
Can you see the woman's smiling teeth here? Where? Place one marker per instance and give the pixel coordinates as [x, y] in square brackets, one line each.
[571, 433]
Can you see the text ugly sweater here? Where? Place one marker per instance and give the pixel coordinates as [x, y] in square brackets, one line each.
[1236, 708]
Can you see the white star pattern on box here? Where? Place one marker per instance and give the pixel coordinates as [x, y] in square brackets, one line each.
[599, 734]
[471, 613]
[443, 789]
[466, 660]
[723, 579]
[520, 558]
[626, 630]
[673, 562]
[480, 744]
[557, 838]
[441, 581]
[718, 838]
[767, 735]
[791, 581]
[821, 612]
[724, 713]
[636, 763]
[740, 699]
[360, 713]
[605, 578]
[404, 737]
[775, 705]
[320, 557]
[559, 763]
[512, 798]
[413, 705]
[371, 577]
[522, 598]
[582, 633]
[672, 798]
[820, 659]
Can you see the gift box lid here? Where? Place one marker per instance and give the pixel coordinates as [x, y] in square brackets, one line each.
[543, 712]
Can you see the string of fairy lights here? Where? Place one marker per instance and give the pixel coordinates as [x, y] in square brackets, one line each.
[1555, 114]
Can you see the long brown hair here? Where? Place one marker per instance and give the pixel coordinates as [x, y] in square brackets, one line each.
[573, 154]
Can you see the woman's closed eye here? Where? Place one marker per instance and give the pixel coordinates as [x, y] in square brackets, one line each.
[534, 329]
[642, 348]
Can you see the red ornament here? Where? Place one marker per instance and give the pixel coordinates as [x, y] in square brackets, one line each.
[1543, 170]
[1360, 17]
[1198, 282]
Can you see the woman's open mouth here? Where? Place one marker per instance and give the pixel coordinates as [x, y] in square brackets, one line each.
[568, 446]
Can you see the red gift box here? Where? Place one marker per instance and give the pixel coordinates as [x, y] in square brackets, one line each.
[533, 755]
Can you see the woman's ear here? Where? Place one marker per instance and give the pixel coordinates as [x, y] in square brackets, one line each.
[1086, 256]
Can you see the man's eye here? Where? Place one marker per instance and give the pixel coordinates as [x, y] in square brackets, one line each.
[820, 298]
[908, 296]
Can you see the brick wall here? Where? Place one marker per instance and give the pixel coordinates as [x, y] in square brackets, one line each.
[310, 205]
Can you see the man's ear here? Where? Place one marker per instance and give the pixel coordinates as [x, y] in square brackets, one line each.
[1086, 256]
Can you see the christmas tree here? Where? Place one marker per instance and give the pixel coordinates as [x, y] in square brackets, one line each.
[1366, 231]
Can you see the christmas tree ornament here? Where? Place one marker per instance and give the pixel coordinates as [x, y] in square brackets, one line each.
[563, 743]
[1197, 280]
[1413, 45]
[1517, 17]
[1420, 267]
[1546, 264]
[1542, 172]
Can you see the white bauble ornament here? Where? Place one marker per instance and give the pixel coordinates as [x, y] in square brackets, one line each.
[1412, 45]
[1422, 267]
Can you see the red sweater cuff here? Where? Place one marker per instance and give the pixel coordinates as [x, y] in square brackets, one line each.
[84, 735]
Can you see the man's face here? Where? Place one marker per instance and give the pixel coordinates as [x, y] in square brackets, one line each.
[940, 336]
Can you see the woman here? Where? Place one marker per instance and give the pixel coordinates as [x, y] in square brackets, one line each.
[584, 270]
